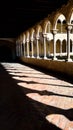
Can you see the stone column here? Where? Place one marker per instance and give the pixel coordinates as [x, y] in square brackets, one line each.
[60, 48]
[24, 50]
[69, 27]
[27, 47]
[54, 31]
[24, 46]
[21, 49]
[61, 27]
[32, 55]
[37, 39]
[44, 40]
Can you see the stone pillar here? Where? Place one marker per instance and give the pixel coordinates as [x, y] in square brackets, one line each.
[60, 48]
[44, 40]
[61, 27]
[24, 50]
[69, 27]
[21, 49]
[24, 46]
[32, 55]
[27, 47]
[54, 31]
[37, 39]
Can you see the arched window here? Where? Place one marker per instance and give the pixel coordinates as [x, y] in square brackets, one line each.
[48, 27]
[64, 26]
[61, 24]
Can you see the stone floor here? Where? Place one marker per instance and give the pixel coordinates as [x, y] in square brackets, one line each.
[50, 95]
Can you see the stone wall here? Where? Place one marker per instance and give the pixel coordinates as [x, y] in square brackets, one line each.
[62, 67]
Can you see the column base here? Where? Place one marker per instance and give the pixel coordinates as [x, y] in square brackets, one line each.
[28, 56]
[69, 60]
[38, 57]
[45, 57]
[54, 58]
[32, 56]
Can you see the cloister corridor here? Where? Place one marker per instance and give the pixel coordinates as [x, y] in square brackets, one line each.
[34, 99]
[36, 65]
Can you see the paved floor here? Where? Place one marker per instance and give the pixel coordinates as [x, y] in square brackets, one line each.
[46, 99]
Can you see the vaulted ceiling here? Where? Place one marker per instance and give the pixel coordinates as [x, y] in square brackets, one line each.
[18, 17]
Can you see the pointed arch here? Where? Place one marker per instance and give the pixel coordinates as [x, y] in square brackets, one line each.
[38, 30]
[27, 35]
[47, 26]
[60, 23]
[70, 16]
[24, 38]
[32, 31]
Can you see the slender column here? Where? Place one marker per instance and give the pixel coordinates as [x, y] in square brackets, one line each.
[21, 49]
[24, 49]
[32, 47]
[44, 40]
[60, 48]
[54, 31]
[37, 39]
[61, 27]
[27, 48]
[24, 46]
[69, 27]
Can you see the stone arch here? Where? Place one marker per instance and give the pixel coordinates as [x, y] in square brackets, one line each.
[55, 19]
[47, 26]
[59, 16]
[38, 31]
[24, 38]
[60, 23]
[27, 39]
[31, 42]
[71, 21]
[32, 31]
[70, 16]
[27, 35]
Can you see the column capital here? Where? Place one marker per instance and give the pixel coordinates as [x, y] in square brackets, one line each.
[37, 37]
[31, 39]
[27, 40]
[44, 35]
[69, 26]
[54, 31]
